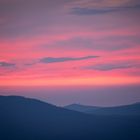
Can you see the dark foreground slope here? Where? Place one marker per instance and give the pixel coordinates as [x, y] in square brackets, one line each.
[29, 119]
[133, 109]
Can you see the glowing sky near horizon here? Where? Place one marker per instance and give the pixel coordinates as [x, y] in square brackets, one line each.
[69, 42]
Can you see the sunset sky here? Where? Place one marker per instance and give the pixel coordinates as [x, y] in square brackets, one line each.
[69, 42]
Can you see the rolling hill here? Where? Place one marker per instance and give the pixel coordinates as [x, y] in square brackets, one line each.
[133, 109]
[30, 119]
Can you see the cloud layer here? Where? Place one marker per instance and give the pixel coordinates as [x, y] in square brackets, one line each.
[64, 59]
[69, 31]
[111, 66]
[6, 64]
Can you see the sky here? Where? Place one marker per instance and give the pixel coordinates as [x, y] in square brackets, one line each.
[69, 43]
[86, 95]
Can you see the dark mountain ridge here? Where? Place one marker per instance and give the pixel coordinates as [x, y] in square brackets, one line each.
[26, 119]
[81, 108]
[131, 109]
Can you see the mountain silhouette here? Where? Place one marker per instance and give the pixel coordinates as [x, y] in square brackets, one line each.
[81, 108]
[133, 109]
[30, 119]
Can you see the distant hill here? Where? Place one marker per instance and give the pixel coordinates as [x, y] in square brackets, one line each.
[29, 119]
[81, 108]
[133, 109]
